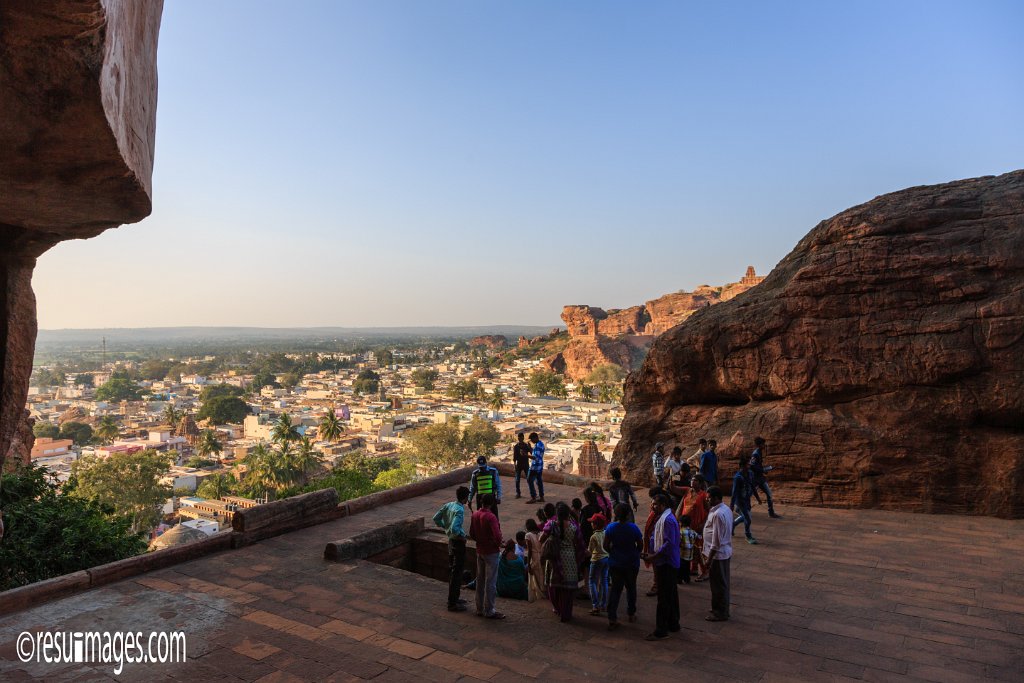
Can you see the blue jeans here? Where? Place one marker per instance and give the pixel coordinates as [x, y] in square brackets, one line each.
[762, 483]
[536, 476]
[599, 583]
[744, 516]
[622, 578]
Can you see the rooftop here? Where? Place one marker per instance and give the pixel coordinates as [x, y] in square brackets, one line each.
[828, 595]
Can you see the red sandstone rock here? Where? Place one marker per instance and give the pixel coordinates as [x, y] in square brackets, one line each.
[883, 359]
[491, 341]
[77, 130]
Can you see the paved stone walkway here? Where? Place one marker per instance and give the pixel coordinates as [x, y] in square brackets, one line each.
[828, 595]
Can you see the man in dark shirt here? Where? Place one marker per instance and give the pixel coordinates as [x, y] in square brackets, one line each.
[709, 464]
[521, 460]
[758, 470]
[623, 542]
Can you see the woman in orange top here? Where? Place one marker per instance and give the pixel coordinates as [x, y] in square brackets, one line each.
[695, 504]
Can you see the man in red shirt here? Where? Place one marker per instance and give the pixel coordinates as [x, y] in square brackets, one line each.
[485, 530]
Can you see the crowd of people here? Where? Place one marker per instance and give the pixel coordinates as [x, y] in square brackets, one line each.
[592, 546]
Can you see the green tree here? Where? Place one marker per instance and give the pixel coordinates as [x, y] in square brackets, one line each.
[284, 431]
[497, 401]
[479, 437]
[330, 428]
[107, 429]
[79, 432]
[48, 377]
[224, 410]
[127, 482]
[585, 391]
[198, 461]
[45, 430]
[171, 415]
[155, 369]
[606, 374]
[217, 486]
[366, 382]
[51, 532]
[546, 383]
[263, 379]
[385, 358]
[212, 391]
[437, 445]
[83, 380]
[264, 471]
[290, 380]
[610, 393]
[424, 377]
[304, 461]
[119, 387]
[393, 478]
[463, 389]
[209, 445]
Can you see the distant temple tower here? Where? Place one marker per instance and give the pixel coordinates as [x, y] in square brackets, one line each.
[751, 278]
[187, 428]
[592, 464]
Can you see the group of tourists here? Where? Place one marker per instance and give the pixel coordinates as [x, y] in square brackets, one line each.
[593, 545]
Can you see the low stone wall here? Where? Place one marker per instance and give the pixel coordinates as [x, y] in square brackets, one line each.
[369, 543]
[248, 526]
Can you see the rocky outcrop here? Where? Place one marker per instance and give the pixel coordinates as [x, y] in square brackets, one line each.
[77, 130]
[882, 359]
[490, 341]
[622, 337]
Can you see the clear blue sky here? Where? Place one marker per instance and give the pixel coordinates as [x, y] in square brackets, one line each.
[412, 163]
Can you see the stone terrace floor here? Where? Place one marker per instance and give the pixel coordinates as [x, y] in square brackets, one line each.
[828, 595]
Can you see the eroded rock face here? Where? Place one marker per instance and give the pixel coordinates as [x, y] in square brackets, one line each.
[77, 130]
[882, 359]
[490, 341]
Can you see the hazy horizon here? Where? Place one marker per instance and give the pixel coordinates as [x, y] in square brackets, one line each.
[458, 164]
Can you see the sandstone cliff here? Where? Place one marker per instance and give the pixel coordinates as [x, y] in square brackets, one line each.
[622, 337]
[883, 359]
[490, 341]
[77, 130]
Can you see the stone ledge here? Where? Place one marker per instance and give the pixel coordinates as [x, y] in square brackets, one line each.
[372, 542]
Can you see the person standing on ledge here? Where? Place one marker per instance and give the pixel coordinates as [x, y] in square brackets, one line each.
[536, 470]
[521, 461]
[663, 553]
[709, 464]
[451, 517]
[717, 553]
[658, 463]
[485, 479]
[485, 530]
[758, 470]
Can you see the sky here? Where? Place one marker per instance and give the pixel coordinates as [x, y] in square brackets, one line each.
[383, 163]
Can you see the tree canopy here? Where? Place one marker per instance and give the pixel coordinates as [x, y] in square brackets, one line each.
[119, 387]
[45, 429]
[212, 391]
[366, 382]
[424, 377]
[79, 432]
[50, 531]
[447, 445]
[546, 383]
[224, 410]
[127, 482]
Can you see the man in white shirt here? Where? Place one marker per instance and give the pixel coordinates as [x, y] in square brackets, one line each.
[717, 553]
[694, 460]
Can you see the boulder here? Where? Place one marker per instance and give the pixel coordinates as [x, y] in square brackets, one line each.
[882, 359]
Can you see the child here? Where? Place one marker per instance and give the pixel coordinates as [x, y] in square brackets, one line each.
[576, 509]
[521, 545]
[687, 539]
[533, 563]
[598, 565]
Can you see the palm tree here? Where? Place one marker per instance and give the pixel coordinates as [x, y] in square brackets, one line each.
[172, 415]
[284, 431]
[107, 430]
[216, 486]
[497, 400]
[304, 461]
[209, 444]
[330, 426]
[263, 469]
[585, 391]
